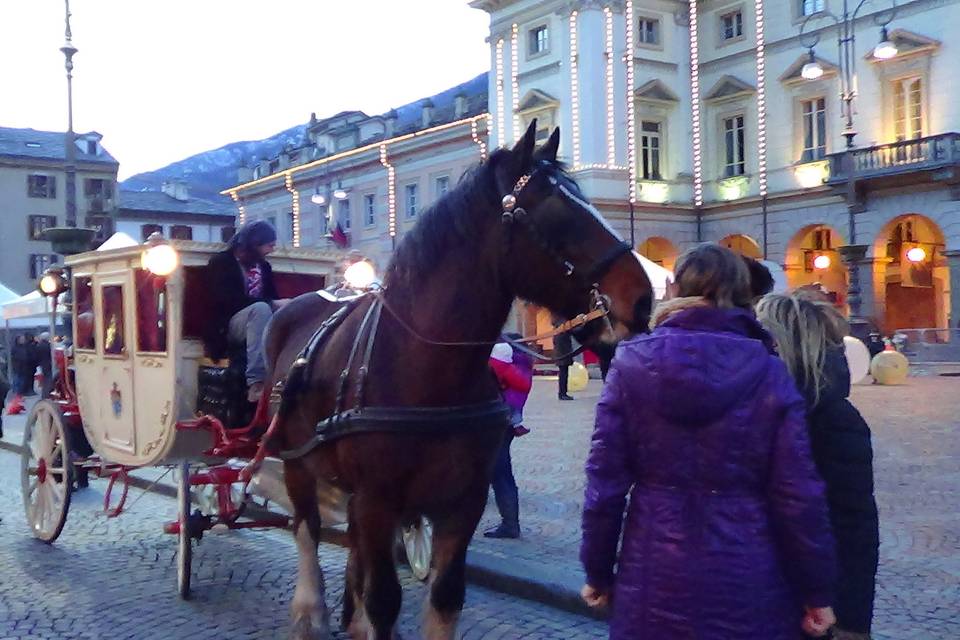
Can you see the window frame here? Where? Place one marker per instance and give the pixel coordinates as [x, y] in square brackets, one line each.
[905, 102]
[369, 210]
[411, 188]
[49, 190]
[153, 228]
[437, 193]
[532, 40]
[345, 214]
[658, 32]
[47, 260]
[176, 229]
[740, 162]
[642, 149]
[736, 37]
[820, 131]
[32, 232]
[802, 7]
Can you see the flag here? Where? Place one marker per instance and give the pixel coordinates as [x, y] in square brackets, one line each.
[339, 237]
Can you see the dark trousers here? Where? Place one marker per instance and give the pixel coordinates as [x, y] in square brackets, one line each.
[564, 378]
[505, 486]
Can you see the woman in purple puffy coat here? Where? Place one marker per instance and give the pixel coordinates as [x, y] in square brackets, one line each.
[726, 535]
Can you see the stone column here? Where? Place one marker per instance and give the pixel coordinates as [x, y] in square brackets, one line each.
[953, 263]
[853, 257]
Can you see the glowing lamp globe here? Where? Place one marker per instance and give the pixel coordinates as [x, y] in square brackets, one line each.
[579, 377]
[821, 262]
[360, 275]
[811, 71]
[340, 194]
[160, 260]
[53, 282]
[890, 367]
[318, 198]
[916, 254]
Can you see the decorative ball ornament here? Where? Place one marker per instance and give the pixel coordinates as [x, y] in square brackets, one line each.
[858, 358]
[579, 377]
[890, 367]
[509, 202]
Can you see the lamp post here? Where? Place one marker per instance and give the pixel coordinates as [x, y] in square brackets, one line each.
[853, 254]
[846, 54]
[69, 51]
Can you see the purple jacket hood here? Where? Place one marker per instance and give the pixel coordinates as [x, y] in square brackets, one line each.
[699, 366]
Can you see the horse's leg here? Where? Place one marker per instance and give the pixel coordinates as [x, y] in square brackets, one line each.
[311, 621]
[451, 536]
[352, 596]
[374, 526]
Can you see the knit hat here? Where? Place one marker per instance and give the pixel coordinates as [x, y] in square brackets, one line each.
[253, 234]
[502, 352]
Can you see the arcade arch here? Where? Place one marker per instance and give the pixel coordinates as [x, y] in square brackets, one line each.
[812, 258]
[912, 274]
[660, 250]
[744, 245]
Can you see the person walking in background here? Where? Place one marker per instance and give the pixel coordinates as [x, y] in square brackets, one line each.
[809, 338]
[44, 359]
[563, 346]
[514, 371]
[4, 390]
[726, 535]
[23, 365]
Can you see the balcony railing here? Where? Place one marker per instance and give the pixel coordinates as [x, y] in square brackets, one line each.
[897, 158]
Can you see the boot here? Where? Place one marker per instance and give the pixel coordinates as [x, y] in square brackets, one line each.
[503, 530]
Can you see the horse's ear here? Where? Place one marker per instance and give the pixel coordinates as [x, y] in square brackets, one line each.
[523, 151]
[549, 150]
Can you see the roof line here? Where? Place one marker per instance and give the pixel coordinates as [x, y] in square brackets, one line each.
[282, 175]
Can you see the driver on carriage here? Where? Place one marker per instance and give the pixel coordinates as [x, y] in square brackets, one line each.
[242, 298]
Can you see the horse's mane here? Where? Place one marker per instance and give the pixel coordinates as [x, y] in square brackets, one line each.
[454, 219]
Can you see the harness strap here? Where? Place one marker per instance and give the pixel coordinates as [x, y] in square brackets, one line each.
[600, 268]
[357, 341]
[368, 353]
[409, 420]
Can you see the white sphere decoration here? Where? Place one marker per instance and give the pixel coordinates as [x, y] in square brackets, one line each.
[858, 358]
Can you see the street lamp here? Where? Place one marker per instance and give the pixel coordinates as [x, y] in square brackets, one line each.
[846, 49]
[69, 51]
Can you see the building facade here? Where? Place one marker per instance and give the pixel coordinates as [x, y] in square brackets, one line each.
[173, 213]
[694, 121]
[33, 197]
[371, 176]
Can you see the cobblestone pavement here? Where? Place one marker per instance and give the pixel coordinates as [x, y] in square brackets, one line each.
[916, 439]
[117, 579]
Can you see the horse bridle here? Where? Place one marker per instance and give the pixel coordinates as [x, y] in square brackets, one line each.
[587, 280]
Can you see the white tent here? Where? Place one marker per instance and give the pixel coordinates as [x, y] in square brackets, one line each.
[7, 294]
[30, 310]
[119, 240]
[659, 277]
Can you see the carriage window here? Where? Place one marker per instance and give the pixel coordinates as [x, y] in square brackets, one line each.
[151, 312]
[113, 320]
[86, 337]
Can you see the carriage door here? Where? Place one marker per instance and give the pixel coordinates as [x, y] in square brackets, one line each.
[114, 384]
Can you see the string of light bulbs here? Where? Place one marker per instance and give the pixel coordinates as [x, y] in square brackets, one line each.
[391, 192]
[514, 80]
[499, 89]
[574, 90]
[761, 101]
[631, 105]
[295, 198]
[695, 107]
[611, 131]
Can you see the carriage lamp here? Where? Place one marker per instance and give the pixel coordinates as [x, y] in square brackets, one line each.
[159, 258]
[916, 254]
[360, 275]
[53, 282]
[821, 262]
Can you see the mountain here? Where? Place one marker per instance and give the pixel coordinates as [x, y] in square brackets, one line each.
[210, 172]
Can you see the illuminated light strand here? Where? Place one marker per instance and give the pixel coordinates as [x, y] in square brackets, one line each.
[391, 192]
[352, 152]
[515, 81]
[295, 196]
[475, 135]
[242, 211]
[761, 101]
[631, 107]
[574, 91]
[600, 165]
[695, 100]
[611, 132]
[499, 81]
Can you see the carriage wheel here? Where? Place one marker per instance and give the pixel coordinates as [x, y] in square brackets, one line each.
[185, 544]
[45, 472]
[418, 544]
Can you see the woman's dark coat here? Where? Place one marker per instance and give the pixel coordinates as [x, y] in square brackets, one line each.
[227, 284]
[842, 451]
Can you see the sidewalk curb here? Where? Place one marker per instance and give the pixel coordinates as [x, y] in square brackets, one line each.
[524, 579]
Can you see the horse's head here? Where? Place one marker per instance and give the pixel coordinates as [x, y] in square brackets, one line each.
[561, 253]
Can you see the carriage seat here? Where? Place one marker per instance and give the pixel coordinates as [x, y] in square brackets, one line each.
[222, 388]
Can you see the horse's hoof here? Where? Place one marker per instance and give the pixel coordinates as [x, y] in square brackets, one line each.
[307, 629]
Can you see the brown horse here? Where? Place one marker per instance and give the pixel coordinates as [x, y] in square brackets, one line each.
[453, 279]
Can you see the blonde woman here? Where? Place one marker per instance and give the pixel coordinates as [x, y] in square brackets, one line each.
[809, 335]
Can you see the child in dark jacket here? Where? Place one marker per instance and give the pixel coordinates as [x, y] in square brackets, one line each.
[809, 336]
